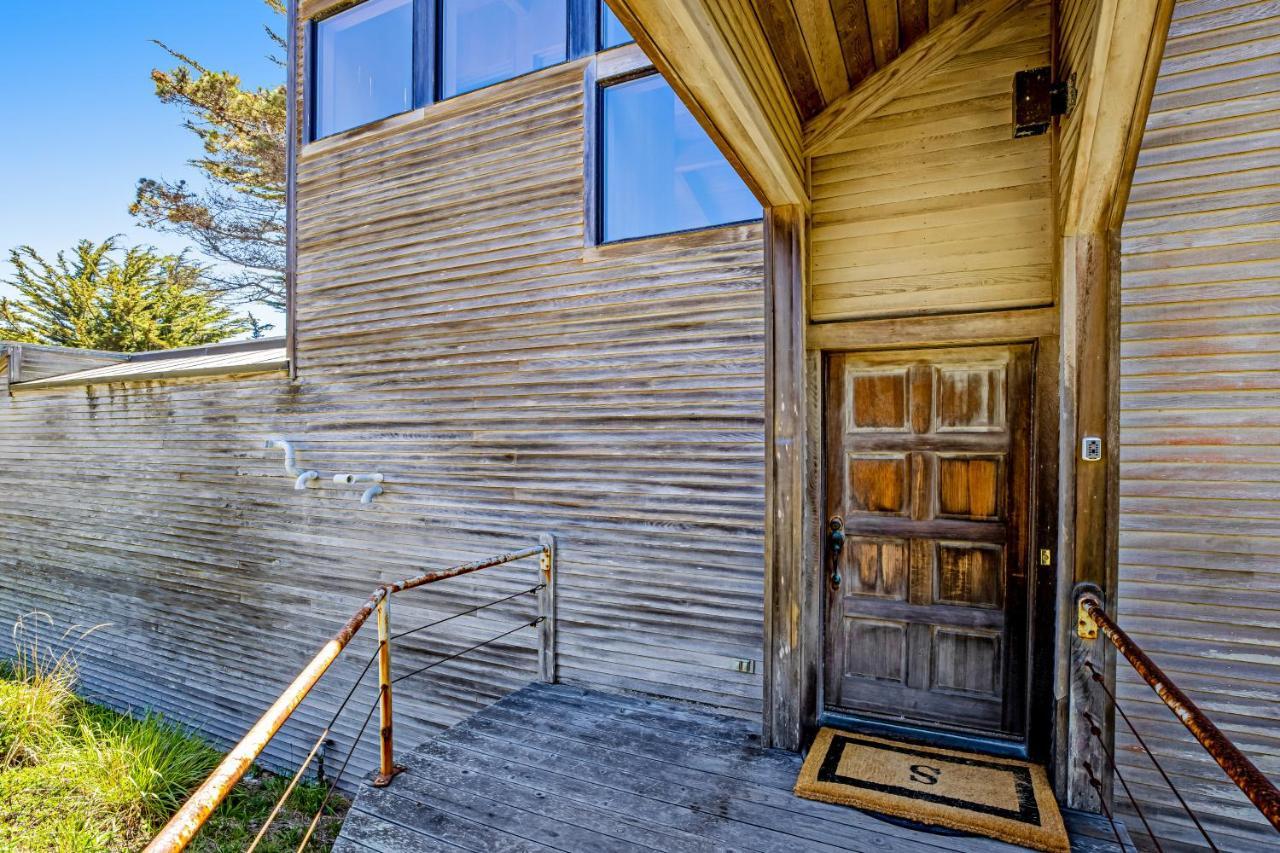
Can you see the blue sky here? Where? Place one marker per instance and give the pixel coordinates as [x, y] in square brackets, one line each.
[79, 120]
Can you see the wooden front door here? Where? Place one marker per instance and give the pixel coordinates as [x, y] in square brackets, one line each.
[928, 468]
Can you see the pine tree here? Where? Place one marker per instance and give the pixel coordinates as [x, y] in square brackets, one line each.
[11, 327]
[239, 219]
[103, 297]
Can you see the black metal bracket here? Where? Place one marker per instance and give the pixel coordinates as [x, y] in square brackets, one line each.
[1037, 99]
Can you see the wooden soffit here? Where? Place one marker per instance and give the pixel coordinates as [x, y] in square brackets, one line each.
[825, 48]
[715, 55]
[927, 52]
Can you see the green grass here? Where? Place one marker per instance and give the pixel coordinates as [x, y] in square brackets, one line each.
[76, 777]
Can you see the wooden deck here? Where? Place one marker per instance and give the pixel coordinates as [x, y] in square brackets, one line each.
[554, 768]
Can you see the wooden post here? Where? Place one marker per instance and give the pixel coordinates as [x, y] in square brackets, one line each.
[790, 666]
[547, 610]
[387, 768]
[1088, 539]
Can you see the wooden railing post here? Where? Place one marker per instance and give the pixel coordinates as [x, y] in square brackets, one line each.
[1085, 706]
[387, 768]
[547, 610]
[1088, 535]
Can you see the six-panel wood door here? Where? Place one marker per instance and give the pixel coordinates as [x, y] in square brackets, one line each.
[928, 465]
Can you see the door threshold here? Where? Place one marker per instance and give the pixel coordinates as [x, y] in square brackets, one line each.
[983, 744]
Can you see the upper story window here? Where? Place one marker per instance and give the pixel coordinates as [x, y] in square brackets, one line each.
[612, 32]
[660, 172]
[363, 65]
[487, 41]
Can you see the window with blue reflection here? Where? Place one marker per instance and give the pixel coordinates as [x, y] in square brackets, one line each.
[363, 65]
[488, 41]
[612, 32]
[661, 172]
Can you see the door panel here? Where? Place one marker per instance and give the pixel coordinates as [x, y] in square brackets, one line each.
[928, 466]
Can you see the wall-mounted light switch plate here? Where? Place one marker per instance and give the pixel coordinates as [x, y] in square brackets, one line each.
[1091, 449]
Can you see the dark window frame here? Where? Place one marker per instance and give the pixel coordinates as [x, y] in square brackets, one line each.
[582, 39]
[596, 160]
[310, 91]
[580, 23]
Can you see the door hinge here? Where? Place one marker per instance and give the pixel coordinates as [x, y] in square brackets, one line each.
[1037, 99]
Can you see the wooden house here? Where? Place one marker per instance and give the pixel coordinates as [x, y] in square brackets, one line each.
[837, 342]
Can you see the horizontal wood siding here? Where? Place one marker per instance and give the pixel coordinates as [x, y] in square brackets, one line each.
[932, 206]
[456, 335]
[1200, 393]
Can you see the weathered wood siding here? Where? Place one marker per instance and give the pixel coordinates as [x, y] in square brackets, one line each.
[1200, 414]
[931, 206]
[455, 334]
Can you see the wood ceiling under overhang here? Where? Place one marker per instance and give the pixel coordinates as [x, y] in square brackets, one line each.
[824, 48]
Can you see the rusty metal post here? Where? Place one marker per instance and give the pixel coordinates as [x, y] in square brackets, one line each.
[387, 768]
[547, 610]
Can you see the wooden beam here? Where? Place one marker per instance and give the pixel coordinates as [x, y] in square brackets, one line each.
[791, 670]
[1146, 90]
[13, 362]
[927, 55]
[947, 330]
[715, 55]
[1116, 97]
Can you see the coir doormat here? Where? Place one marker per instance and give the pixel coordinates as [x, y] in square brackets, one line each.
[998, 797]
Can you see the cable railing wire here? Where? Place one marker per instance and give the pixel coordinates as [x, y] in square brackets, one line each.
[194, 813]
[469, 611]
[457, 655]
[324, 734]
[333, 786]
[1096, 731]
[315, 821]
[1096, 784]
[1097, 678]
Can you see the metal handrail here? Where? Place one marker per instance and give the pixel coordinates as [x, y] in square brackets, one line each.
[1256, 786]
[198, 808]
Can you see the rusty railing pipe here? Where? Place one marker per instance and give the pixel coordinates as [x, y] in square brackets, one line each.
[187, 821]
[1248, 778]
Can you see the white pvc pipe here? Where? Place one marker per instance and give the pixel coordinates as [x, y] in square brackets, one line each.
[353, 479]
[290, 463]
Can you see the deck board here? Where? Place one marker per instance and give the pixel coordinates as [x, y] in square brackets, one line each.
[556, 768]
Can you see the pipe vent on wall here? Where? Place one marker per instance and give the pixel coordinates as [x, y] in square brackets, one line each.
[371, 483]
